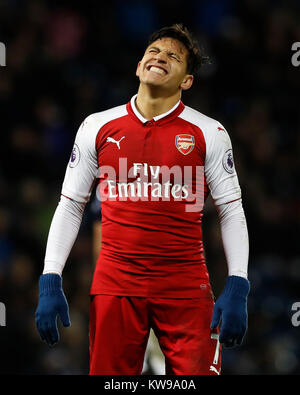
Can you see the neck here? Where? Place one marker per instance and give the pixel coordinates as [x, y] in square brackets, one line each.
[151, 103]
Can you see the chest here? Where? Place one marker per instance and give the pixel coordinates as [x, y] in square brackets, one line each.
[151, 146]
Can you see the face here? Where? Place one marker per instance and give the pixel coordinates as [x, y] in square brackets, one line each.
[164, 65]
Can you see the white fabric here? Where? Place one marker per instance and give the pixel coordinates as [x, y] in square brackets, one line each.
[234, 234]
[62, 234]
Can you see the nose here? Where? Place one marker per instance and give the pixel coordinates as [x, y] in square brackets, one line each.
[161, 57]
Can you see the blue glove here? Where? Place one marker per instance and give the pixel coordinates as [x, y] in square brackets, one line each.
[52, 301]
[231, 309]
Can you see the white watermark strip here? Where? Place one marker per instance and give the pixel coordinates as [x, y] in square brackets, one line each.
[2, 314]
[2, 54]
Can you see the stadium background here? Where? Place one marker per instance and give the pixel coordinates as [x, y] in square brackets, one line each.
[66, 61]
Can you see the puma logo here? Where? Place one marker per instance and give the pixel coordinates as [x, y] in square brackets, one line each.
[213, 369]
[111, 140]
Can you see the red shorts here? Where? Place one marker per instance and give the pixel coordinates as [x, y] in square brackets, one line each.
[120, 326]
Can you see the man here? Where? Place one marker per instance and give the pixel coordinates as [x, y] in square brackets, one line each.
[151, 271]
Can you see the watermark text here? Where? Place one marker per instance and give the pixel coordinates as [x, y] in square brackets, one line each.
[296, 315]
[2, 314]
[2, 54]
[149, 182]
[296, 56]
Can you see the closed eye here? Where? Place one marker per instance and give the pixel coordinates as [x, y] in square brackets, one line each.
[174, 56]
[152, 50]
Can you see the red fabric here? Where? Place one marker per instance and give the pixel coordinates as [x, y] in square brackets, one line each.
[150, 248]
[119, 330]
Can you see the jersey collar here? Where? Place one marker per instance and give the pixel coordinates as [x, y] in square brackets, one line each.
[172, 113]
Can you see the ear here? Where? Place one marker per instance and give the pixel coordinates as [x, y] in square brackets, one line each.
[187, 82]
[138, 69]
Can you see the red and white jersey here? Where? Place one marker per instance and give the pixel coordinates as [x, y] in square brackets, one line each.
[151, 173]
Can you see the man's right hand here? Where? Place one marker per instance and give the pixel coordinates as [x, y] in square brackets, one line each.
[52, 302]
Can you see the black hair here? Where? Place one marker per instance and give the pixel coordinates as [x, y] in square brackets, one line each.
[196, 57]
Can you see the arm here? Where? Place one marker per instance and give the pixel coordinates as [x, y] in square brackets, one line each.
[79, 180]
[231, 307]
[62, 234]
[234, 235]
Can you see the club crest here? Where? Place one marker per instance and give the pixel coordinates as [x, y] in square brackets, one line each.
[185, 143]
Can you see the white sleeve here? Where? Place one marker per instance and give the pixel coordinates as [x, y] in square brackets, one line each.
[220, 172]
[62, 234]
[76, 191]
[82, 168]
[234, 234]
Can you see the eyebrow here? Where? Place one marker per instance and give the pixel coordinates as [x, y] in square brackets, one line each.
[152, 47]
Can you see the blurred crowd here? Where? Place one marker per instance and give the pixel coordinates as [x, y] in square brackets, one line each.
[65, 61]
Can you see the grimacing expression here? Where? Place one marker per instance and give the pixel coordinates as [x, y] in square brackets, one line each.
[164, 64]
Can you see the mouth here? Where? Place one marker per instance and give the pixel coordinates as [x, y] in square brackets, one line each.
[157, 69]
